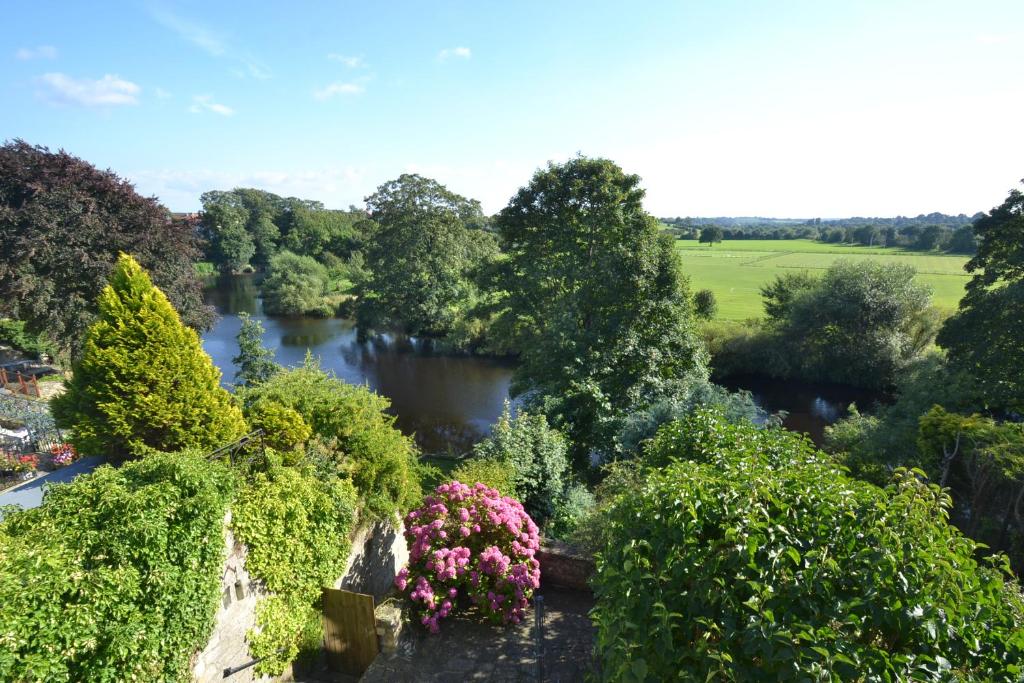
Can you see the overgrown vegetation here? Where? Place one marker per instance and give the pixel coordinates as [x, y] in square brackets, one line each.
[743, 553]
[297, 527]
[358, 439]
[116, 577]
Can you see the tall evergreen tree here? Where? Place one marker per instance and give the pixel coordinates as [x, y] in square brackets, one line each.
[254, 361]
[143, 381]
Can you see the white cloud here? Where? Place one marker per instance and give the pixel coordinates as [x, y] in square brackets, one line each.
[107, 91]
[211, 42]
[161, 94]
[338, 88]
[992, 38]
[350, 61]
[38, 52]
[457, 52]
[201, 103]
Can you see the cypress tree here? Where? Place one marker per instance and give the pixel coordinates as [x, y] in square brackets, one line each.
[143, 381]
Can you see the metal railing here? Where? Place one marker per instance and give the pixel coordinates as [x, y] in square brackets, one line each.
[233, 449]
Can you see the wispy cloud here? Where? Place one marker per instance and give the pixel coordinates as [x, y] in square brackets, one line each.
[992, 38]
[202, 103]
[351, 61]
[110, 90]
[161, 94]
[454, 52]
[38, 52]
[338, 88]
[211, 42]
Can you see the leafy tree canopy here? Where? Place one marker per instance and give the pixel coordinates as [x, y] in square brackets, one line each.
[63, 223]
[986, 336]
[597, 303]
[424, 257]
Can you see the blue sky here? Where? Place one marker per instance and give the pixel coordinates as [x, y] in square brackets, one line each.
[724, 108]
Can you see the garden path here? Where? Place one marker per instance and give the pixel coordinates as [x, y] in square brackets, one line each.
[468, 650]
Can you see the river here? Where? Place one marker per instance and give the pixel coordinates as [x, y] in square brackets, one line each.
[447, 401]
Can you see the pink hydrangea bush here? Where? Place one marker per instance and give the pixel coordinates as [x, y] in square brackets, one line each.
[470, 541]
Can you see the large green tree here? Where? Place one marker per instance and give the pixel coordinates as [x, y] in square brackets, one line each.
[597, 302]
[858, 324]
[63, 223]
[143, 381]
[424, 256]
[986, 336]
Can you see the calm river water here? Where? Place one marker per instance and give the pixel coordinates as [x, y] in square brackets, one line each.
[445, 401]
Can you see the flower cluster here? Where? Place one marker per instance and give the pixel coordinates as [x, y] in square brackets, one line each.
[470, 542]
[11, 462]
[62, 454]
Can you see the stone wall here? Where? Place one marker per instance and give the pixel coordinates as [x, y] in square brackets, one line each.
[565, 566]
[378, 552]
[235, 616]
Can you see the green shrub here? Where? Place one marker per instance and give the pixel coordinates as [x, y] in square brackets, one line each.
[296, 285]
[352, 423]
[537, 456]
[705, 306]
[143, 381]
[297, 528]
[743, 554]
[13, 334]
[283, 427]
[496, 474]
[116, 577]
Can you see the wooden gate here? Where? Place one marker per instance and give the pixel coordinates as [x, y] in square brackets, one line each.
[350, 631]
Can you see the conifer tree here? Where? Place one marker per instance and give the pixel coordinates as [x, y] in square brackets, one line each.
[143, 381]
[254, 361]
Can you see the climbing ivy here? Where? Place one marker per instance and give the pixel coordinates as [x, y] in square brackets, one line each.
[116, 576]
[297, 528]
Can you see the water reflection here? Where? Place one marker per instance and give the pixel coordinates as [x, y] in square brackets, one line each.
[445, 401]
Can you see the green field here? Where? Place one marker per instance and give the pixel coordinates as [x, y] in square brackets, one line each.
[735, 270]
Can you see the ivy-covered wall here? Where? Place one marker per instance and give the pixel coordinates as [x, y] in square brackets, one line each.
[115, 576]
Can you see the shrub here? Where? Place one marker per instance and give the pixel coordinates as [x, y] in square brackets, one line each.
[743, 554]
[143, 381]
[296, 285]
[495, 474]
[704, 304]
[116, 576]
[470, 541]
[283, 427]
[352, 424]
[297, 528]
[536, 455]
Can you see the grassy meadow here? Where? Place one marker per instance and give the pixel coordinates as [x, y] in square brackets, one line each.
[735, 270]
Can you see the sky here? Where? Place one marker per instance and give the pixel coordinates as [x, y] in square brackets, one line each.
[724, 108]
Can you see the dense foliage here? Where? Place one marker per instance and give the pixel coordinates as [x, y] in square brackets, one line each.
[536, 454]
[986, 336]
[297, 285]
[859, 324]
[744, 554]
[297, 529]
[424, 258]
[143, 381]
[470, 541]
[246, 228]
[116, 576]
[361, 439]
[62, 225]
[597, 303]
